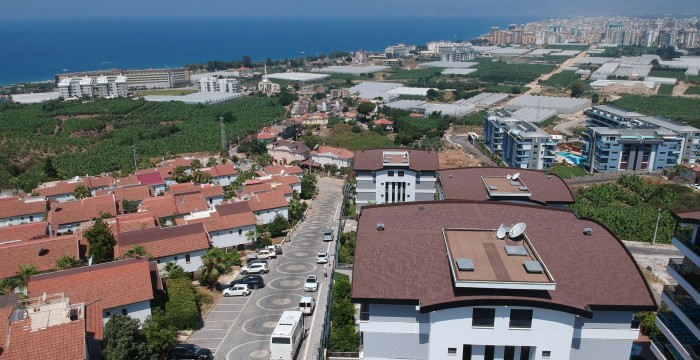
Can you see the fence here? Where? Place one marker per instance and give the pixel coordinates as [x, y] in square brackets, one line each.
[323, 343]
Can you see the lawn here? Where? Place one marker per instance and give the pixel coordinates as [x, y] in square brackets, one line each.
[665, 89]
[562, 80]
[342, 136]
[167, 92]
[567, 172]
[340, 277]
[693, 90]
[677, 108]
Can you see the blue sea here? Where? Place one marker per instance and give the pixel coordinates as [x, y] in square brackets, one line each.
[37, 50]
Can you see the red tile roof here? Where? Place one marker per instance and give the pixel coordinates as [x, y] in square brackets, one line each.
[153, 178]
[339, 153]
[14, 206]
[383, 121]
[95, 182]
[28, 231]
[160, 242]
[222, 170]
[58, 188]
[218, 222]
[130, 180]
[207, 190]
[41, 253]
[210, 191]
[418, 160]
[466, 184]
[114, 284]
[81, 210]
[282, 169]
[165, 172]
[267, 201]
[556, 234]
[59, 342]
[250, 190]
[285, 179]
[131, 193]
[135, 221]
[266, 136]
[169, 205]
[232, 208]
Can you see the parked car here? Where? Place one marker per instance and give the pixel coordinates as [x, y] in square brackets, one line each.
[237, 290]
[695, 186]
[253, 281]
[322, 258]
[328, 234]
[266, 254]
[307, 304]
[258, 261]
[256, 268]
[189, 351]
[275, 249]
[311, 283]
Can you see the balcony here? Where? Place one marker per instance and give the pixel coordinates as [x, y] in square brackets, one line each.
[687, 275]
[678, 335]
[664, 350]
[687, 247]
[684, 307]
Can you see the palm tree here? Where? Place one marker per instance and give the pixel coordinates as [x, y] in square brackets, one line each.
[81, 192]
[25, 272]
[136, 251]
[213, 266]
[211, 162]
[179, 175]
[67, 262]
[174, 271]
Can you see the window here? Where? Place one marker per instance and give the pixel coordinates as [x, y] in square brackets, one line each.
[157, 261]
[451, 351]
[187, 258]
[466, 352]
[525, 353]
[400, 173]
[483, 317]
[175, 258]
[546, 354]
[124, 312]
[107, 313]
[240, 232]
[489, 352]
[230, 231]
[31, 218]
[509, 353]
[521, 319]
[391, 173]
[417, 178]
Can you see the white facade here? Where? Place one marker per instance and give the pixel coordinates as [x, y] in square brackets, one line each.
[402, 332]
[214, 200]
[102, 86]
[22, 219]
[213, 84]
[140, 310]
[225, 180]
[394, 185]
[231, 237]
[330, 159]
[266, 216]
[62, 197]
[190, 262]
[66, 228]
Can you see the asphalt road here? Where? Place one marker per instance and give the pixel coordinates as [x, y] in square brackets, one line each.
[239, 328]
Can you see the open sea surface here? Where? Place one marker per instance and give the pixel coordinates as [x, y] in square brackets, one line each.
[37, 50]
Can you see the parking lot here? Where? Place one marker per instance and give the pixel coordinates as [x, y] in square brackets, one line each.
[240, 327]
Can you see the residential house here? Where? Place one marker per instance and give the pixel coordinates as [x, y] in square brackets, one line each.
[166, 172]
[691, 172]
[395, 175]
[249, 190]
[213, 194]
[284, 170]
[60, 191]
[228, 225]
[268, 134]
[267, 205]
[123, 287]
[184, 244]
[488, 294]
[285, 152]
[130, 193]
[350, 116]
[15, 210]
[290, 129]
[153, 180]
[292, 181]
[134, 221]
[28, 231]
[65, 217]
[97, 183]
[328, 155]
[223, 174]
[41, 253]
[315, 119]
[169, 207]
[385, 124]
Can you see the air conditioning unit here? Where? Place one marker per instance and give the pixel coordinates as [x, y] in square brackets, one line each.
[380, 227]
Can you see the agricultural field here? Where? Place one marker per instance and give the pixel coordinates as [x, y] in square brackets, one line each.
[341, 135]
[419, 73]
[562, 80]
[674, 73]
[501, 72]
[677, 108]
[692, 90]
[167, 92]
[665, 89]
[509, 89]
[98, 136]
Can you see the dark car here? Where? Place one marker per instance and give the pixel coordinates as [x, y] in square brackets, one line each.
[253, 281]
[189, 351]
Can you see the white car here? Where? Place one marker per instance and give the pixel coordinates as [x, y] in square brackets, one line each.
[695, 186]
[266, 254]
[255, 268]
[322, 258]
[237, 290]
[311, 283]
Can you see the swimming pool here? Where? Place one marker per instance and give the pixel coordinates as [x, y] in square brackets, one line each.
[573, 159]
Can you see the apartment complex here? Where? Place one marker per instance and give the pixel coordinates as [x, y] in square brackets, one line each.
[214, 84]
[461, 289]
[102, 86]
[678, 313]
[400, 50]
[395, 175]
[624, 140]
[518, 143]
[139, 79]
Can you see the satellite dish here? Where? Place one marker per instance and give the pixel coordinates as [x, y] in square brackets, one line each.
[516, 176]
[501, 233]
[509, 176]
[517, 230]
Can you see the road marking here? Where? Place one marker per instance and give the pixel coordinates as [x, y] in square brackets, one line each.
[311, 327]
[219, 321]
[226, 311]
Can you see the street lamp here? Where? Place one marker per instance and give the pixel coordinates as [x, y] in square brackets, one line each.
[656, 229]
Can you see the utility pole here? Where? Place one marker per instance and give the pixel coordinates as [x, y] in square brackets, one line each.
[133, 149]
[223, 135]
[656, 229]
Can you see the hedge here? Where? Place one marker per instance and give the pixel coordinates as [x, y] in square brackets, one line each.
[181, 309]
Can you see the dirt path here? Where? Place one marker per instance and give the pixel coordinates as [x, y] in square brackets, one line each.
[680, 88]
[535, 86]
[576, 120]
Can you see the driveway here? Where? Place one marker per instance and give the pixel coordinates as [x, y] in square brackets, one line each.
[240, 328]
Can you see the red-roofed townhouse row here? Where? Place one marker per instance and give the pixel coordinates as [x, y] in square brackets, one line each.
[266, 206]
[15, 211]
[328, 155]
[213, 194]
[65, 217]
[223, 174]
[41, 253]
[230, 225]
[168, 208]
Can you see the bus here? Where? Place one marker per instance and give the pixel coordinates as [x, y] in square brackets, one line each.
[287, 336]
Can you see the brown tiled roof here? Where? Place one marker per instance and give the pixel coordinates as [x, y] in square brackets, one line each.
[285, 179]
[217, 222]
[267, 201]
[340, 153]
[40, 253]
[136, 221]
[94, 182]
[127, 181]
[116, 283]
[383, 121]
[278, 169]
[418, 160]
[59, 342]
[691, 216]
[131, 193]
[28, 231]
[296, 147]
[249, 190]
[169, 241]
[81, 210]
[207, 190]
[591, 272]
[466, 184]
[233, 208]
[222, 170]
[169, 205]
[58, 188]
[14, 206]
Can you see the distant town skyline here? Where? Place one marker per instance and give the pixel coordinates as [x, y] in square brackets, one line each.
[68, 9]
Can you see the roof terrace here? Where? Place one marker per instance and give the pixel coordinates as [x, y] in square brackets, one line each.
[505, 186]
[47, 310]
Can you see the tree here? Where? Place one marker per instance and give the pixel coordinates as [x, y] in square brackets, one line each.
[577, 89]
[366, 108]
[67, 262]
[195, 164]
[201, 177]
[213, 266]
[308, 186]
[269, 62]
[81, 192]
[123, 340]
[25, 272]
[179, 175]
[344, 339]
[174, 271]
[247, 61]
[130, 206]
[136, 251]
[252, 147]
[49, 169]
[296, 208]
[278, 226]
[432, 94]
[101, 242]
[158, 333]
[595, 98]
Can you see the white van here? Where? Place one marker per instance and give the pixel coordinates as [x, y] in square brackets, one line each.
[287, 336]
[307, 304]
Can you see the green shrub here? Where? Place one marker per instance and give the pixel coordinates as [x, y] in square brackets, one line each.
[181, 309]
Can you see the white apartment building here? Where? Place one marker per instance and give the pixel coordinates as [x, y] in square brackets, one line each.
[102, 86]
[213, 84]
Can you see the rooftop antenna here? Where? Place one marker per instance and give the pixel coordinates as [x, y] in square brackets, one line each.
[501, 233]
[517, 230]
[516, 176]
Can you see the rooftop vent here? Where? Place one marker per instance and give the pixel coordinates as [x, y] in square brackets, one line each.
[380, 226]
[533, 267]
[516, 250]
[587, 231]
[523, 188]
[493, 187]
[465, 264]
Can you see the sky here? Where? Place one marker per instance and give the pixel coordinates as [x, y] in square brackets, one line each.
[72, 9]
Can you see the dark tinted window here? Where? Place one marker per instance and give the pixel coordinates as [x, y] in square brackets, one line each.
[280, 340]
[489, 353]
[483, 317]
[520, 318]
[525, 353]
[509, 353]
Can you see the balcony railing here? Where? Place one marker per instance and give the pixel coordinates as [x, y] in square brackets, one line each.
[691, 274]
[684, 302]
[690, 343]
[666, 348]
[685, 241]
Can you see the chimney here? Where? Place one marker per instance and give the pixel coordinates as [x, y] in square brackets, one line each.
[380, 226]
